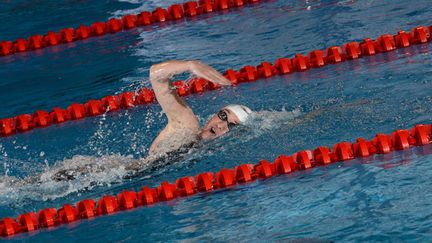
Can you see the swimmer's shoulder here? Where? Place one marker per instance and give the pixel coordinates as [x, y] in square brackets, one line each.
[174, 141]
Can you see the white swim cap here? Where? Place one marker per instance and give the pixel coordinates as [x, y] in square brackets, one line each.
[241, 111]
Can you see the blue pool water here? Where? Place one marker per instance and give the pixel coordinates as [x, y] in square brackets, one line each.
[384, 198]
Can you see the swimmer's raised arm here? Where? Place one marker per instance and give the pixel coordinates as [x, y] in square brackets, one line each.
[180, 115]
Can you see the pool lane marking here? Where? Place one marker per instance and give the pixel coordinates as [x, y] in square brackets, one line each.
[172, 14]
[248, 73]
[207, 182]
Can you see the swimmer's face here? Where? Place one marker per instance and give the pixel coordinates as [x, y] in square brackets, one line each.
[219, 124]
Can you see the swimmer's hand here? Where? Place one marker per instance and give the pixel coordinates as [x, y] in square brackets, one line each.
[205, 71]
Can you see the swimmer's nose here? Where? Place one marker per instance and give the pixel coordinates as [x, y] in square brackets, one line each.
[222, 126]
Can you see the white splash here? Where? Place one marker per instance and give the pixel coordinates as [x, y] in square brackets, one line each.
[68, 176]
[81, 173]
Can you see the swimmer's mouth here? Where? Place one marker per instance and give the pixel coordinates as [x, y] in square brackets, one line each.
[212, 130]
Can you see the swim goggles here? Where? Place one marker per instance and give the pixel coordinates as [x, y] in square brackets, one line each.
[224, 117]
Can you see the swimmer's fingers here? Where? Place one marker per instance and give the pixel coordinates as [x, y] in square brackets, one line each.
[204, 71]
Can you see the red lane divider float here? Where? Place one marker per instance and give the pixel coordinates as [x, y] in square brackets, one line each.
[248, 73]
[419, 135]
[174, 12]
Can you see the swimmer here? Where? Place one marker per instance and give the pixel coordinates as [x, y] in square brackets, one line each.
[183, 127]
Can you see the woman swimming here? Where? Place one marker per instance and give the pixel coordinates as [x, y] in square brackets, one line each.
[183, 127]
[182, 130]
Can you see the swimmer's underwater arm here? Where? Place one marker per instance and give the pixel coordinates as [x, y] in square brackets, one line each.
[180, 115]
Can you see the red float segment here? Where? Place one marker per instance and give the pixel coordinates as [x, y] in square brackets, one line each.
[59, 115]
[9, 227]
[51, 39]
[127, 199]
[244, 173]
[238, 3]
[47, 217]
[382, 143]
[147, 196]
[420, 35]
[351, 51]
[285, 164]
[98, 28]
[20, 45]
[186, 186]
[213, 86]
[41, 119]
[129, 21]
[67, 214]
[299, 63]
[5, 48]
[342, 152]
[266, 70]
[145, 96]
[248, 73]
[400, 139]
[264, 169]
[422, 134]
[23, 122]
[316, 58]
[111, 103]
[198, 85]
[166, 191]
[176, 11]
[94, 107]
[204, 182]
[28, 222]
[107, 205]
[206, 6]
[361, 148]
[114, 25]
[402, 39]
[304, 159]
[76, 111]
[144, 18]
[86, 209]
[221, 4]
[367, 47]
[128, 100]
[190, 9]
[233, 76]
[385, 43]
[284, 65]
[321, 155]
[225, 178]
[83, 32]
[35, 42]
[334, 54]
[160, 15]
[67, 35]
[181, 87]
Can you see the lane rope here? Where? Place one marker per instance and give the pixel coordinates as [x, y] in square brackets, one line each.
[173, 13]
[207, 182]
[248, 73]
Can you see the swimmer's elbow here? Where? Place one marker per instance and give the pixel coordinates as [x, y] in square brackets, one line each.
[155, 71]
[164, 70]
